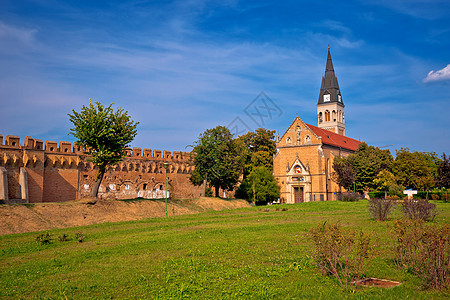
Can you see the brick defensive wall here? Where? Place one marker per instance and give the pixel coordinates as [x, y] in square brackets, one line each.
[57, 172]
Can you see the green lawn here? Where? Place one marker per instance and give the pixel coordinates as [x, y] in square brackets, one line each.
[234, 254]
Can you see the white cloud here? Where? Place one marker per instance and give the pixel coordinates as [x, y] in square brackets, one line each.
[439, 75]
[21, 34]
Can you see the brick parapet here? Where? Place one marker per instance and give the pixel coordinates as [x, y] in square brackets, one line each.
[63, 147]
[61, 171]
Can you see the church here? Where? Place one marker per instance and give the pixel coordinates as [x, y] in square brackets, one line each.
[303, 163]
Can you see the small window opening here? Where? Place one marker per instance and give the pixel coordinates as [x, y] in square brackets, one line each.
[144, 187]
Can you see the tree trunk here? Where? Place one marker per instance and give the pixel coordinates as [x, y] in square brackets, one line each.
[204, 187]
[216, 191]
[94, 191]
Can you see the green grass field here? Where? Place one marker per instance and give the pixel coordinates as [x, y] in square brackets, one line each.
[235, 254]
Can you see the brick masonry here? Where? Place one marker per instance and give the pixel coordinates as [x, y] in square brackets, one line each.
[303, 165]
[57, 172]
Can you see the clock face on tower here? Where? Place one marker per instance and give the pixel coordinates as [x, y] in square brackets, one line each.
[326, 98]
[339, 98]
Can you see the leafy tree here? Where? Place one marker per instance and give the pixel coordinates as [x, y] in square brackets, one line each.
[261, 186]
[362, 167]
[217, 159]
[344, 173]
[414, 169]
[443, 172]
[258, 149]
[368, 161]
[384, 181]
[105, 133]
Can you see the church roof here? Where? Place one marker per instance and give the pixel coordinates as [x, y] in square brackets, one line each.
[334, 139]
[330, 84]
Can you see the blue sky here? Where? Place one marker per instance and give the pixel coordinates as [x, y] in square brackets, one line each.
[181, 67]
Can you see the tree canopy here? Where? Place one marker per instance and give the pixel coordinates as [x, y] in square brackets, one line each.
[415, 169]
[258, 148]
[362, 167]
[258, 185]
[443, 173]
[261, 186]
[105, 133]
[217, 159]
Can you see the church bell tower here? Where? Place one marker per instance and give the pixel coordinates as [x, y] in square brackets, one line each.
[330, 107]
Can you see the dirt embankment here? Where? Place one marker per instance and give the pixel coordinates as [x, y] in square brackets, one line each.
[45, 216]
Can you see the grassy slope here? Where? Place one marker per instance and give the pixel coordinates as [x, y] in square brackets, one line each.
[243, 253]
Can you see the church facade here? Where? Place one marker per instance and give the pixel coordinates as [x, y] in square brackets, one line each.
[303, 164]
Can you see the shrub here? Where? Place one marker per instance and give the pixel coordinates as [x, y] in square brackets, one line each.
[79, 236]
[381, 208]
[349, 197]
[424, 250]
[435, 197]
[44, 238]
[63, 238]
[377, 194]
[396, 190]
[343, 254]
[419, 209]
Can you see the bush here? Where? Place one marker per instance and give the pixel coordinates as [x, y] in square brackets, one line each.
[396, 190]
[381, 208]
[435, 197]
[79, 236]
[343, 254]
[419, 209]
[44, 238]
[376, 194]
[349, 197]
[424, 250]
[63, 238]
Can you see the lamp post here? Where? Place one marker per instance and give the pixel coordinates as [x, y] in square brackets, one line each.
[165, 190]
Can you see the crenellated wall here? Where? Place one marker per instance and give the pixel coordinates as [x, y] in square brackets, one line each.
[55, 172]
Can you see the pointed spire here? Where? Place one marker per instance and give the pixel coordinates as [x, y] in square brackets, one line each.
[277, 138]
[329, 66]
[329, 85]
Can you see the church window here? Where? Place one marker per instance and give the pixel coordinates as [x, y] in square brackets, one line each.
[327, 116]
[288, 140]
[297, 134]
[308, 139]
[334, 116]
[320, 117]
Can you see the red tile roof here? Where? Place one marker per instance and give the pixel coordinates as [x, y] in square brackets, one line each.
[334, 139]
